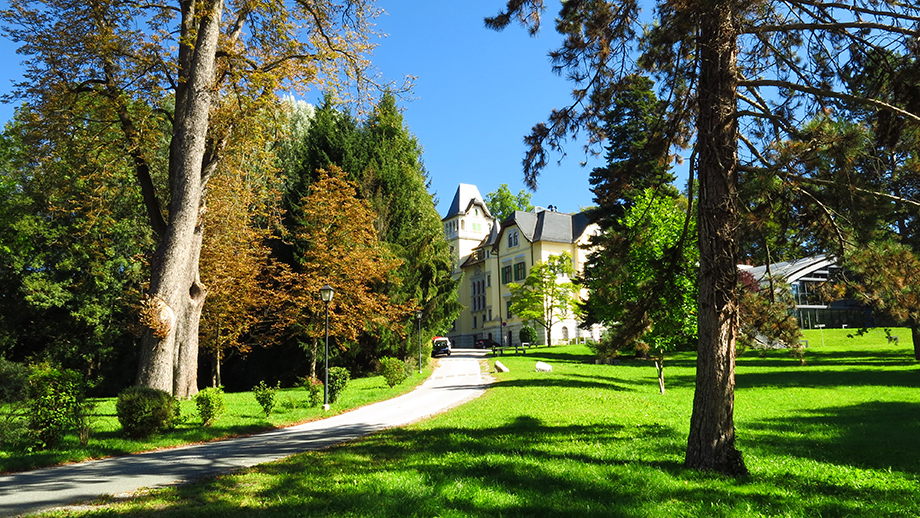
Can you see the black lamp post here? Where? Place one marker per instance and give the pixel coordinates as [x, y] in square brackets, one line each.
[419, 316]
[326, 293]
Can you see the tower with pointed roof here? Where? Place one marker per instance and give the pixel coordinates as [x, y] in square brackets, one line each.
[489, 254]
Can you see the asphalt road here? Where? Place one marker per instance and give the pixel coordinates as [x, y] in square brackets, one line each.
[457, 379]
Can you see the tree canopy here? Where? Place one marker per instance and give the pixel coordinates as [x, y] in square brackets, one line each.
[502, 203]
[547, 293]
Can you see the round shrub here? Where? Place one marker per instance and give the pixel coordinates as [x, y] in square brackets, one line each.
[265, 396]
[528, 335]
[144, 411]
[338, 380]
[315, 388]
[55, 401]
[210, 403]
[393, 370]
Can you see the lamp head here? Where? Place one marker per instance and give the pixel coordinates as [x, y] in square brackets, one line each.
[326, 293]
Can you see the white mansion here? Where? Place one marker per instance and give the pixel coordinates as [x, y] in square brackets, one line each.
[488, 254]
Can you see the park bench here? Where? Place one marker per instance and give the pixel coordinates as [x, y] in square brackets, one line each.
[520, 348]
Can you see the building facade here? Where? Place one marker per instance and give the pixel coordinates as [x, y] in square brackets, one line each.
[489, 254]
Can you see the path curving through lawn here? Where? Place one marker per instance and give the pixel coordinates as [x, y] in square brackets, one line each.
[456, 380]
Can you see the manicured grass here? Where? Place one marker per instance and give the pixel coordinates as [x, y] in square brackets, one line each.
[242, 416]
[836, 437]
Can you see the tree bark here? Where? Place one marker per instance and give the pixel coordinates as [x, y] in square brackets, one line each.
[915, 337]
[169, 356]
[711, 442]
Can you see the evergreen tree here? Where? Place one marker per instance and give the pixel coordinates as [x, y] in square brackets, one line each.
[783, 62]
[385, 162]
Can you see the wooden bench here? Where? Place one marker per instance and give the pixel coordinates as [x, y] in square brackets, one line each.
[520, 348]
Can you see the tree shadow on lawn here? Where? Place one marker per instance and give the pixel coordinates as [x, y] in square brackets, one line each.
[876, 435]
[521, 468]
[568, 381]
[818, 376]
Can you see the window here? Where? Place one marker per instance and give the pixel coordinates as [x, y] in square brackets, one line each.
[462, 224]
[512, 239]
[490, 318]
[488, 279]
[474, 322]
[506, 274]
[508, 309]
[519, 271]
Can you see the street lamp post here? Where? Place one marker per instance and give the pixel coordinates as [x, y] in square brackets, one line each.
[326, 293]
[419, 316]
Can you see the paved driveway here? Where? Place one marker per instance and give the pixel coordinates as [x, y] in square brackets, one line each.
[456, 380]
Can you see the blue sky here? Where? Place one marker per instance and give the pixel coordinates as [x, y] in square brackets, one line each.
[477, 93]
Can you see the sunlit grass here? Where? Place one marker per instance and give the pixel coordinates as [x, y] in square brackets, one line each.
[836, 437]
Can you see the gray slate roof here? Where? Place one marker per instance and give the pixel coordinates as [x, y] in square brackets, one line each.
[556, 227]
[466, 196]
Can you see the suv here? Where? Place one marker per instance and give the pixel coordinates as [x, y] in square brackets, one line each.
[440, 345]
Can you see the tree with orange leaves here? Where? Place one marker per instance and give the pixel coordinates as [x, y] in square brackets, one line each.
[338, 245]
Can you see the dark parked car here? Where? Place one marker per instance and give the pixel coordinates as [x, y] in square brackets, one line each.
[440, 345]
[487, 343]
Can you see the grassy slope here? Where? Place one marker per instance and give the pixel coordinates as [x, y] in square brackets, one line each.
[837, 437]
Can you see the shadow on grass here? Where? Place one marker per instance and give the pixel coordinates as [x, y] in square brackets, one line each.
[875, 435]
[522, 468]
[815, 376]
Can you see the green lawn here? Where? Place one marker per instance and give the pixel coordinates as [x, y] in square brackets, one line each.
[242, 416]
[839, 436]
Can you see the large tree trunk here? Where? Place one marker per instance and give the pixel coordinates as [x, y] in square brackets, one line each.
[169, 353]
[711, 443]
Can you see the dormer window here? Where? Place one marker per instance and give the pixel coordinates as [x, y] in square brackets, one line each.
[512, 239]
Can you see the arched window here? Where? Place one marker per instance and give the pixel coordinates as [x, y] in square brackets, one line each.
[565, 333]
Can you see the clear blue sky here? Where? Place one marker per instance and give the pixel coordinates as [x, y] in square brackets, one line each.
[477, 93]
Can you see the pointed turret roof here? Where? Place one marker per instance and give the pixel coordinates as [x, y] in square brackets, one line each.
[467, 195]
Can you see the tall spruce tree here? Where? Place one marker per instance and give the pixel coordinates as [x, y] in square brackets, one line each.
[384, 160]
[783, 61]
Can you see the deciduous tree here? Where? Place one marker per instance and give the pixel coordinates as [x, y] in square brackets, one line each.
[502, 203]
[547, 293]
[337, 245]
[183, 77]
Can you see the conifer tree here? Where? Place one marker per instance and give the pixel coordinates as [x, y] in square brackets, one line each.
[737, 76]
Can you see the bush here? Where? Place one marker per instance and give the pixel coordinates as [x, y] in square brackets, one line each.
[393, 370]
[338, 380]
[14, 391]
[210, 403]
[265, 395]
[528, 335]
[144, 411]
[55, 404]
[607, 347]
[315, 388]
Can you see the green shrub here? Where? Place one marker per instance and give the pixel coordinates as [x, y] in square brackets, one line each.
[144, 411]
[315, 388]
[265, 395]
[528, 335]
[14, 391]
[393, 370]
[338, 380]
[210, 403]
[55, 401]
